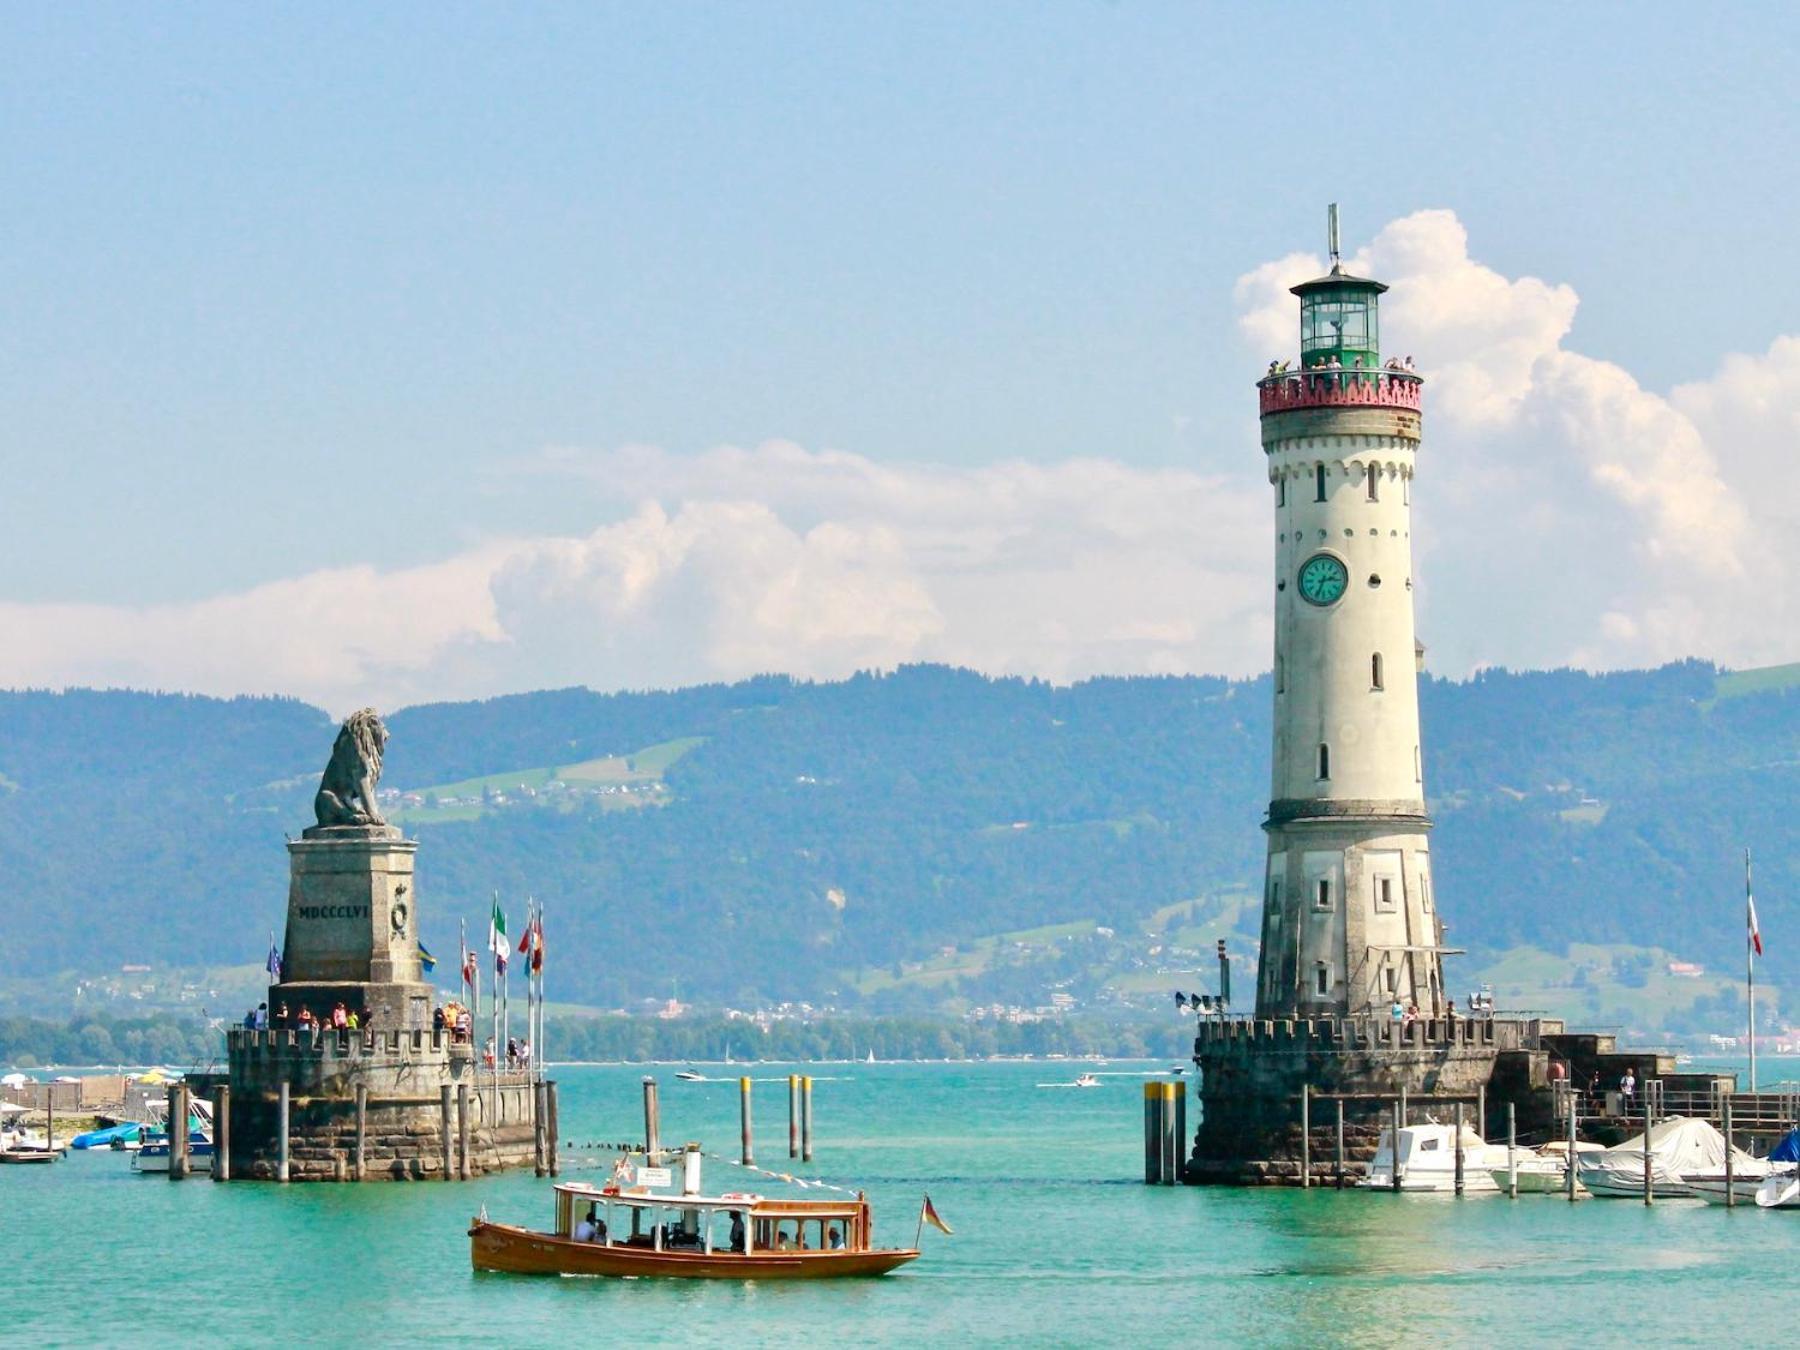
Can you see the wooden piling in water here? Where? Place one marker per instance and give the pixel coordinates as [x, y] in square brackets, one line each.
[1730, 1171]
[745, 1131]
[178, 1130]
[1178, 1093]
[1394, 1143]
[539, 1164]
[221, 1168]
[1458, 1127]
[359, 1167]
[283, 1111]
[652, 1125]
[1512, 1151]
[1169, 1142]
[1340, 1144]
[806, 1120]
[1569, 1160]
[1153, 1134]
[554, 1139]
[465, 1129]
[1305, 1136]
[793, 1115]
[446, 1135]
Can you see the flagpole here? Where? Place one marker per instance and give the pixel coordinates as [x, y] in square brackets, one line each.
[1750, 962]
[537, 1042]
[919, 1236]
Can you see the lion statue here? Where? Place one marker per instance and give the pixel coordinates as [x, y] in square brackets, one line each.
[347, 787]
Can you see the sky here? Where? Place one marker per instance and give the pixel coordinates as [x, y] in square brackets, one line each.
[422, 352]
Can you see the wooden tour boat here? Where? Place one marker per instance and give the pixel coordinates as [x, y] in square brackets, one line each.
[631, 1230]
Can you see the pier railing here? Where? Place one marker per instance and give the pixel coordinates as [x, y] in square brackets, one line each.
[1363, 1033]
[1380, 388]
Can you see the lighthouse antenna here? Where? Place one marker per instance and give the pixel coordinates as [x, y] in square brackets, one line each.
[1331, 237]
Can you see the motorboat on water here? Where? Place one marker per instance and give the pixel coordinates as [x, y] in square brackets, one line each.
[627, 1228]
[1769, 1182]
[154, 1155]
[1540, 1171]
[123, 1135]
[691, 1076]
[1678, 1147]
[1427, 1160]
[1087, 1080]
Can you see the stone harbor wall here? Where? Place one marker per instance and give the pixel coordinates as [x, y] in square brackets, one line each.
[403, 1075]
[1252, 1073]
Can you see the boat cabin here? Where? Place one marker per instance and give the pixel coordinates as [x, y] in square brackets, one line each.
[737, 1222]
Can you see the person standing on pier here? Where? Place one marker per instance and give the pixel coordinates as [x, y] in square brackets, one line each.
[1627, 1090]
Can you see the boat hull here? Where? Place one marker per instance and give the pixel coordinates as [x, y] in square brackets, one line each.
[519, 1251]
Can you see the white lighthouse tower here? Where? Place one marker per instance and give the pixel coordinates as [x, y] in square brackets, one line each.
[1349, 919]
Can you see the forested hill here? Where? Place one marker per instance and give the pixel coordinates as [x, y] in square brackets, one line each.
[868, 842]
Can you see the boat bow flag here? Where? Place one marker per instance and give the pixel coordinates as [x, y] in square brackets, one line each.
[929, 1215]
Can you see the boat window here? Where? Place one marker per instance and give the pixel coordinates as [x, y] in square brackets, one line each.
[1427, 1145]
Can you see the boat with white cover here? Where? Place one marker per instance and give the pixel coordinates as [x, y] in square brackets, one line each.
[1679, 1146]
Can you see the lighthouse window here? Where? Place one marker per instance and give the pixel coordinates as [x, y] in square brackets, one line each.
[1324, 760]
[1319, 481]
[1322, 897]
[1374, 483]
[1391, 978]
[1321, 980]
[1375, 670]
[1384, 894]
[1405, 490]
[1281, 491]
[1280, 676]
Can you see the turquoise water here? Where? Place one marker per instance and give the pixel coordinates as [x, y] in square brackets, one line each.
[1056, 1242]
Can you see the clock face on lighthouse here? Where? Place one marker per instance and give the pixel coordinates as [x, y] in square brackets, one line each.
[1323, 579]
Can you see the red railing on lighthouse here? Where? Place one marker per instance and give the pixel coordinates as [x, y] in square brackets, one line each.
[1340, 389]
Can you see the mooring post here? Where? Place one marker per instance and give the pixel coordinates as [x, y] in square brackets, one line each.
[1306, 1136]
[1394, 1143]
[555, 1136]
[1340, 1144]
[793, 1115]
[744, 1123]
[466, 1102]
[1458, 1127]
[283, 1103]
[50, 1118]
[806, 1130]
[221, 1170]
[1481, 1112]
[1512, 1146]
[1170, 1148]
[178, 1130]
[1152, 1134]
[1730, 1171]
[539, 1164]
[1569, 1160]
[446, 1131]
[1178, 1095]
[1647, 1119]
[652, 1126]
[359, 1166]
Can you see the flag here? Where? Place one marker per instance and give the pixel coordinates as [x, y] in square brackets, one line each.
[470, 968]
[929, 1215]
[532, 941]
[497, 936]
[426, 959]
[1755, 932]
[273, 964]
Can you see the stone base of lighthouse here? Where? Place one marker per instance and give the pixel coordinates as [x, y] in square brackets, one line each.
[1252, 1074]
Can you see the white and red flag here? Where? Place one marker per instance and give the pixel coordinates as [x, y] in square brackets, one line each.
[1750, 917]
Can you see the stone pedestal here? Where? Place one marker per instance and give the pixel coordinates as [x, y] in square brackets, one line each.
[351, 930]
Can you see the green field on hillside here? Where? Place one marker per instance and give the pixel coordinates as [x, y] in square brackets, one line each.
[557, 786]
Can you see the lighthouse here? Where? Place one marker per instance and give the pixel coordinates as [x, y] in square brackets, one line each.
[1350, 922]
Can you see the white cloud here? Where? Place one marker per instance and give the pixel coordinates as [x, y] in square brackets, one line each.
[1563, 513]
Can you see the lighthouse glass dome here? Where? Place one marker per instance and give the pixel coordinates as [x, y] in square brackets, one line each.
[1340, 316]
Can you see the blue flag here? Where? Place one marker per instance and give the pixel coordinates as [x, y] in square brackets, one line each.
[426, 959]
[273, 964]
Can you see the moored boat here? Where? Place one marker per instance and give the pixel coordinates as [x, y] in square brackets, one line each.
[1427, 1159]
[632, 1230]
[1679, 1146]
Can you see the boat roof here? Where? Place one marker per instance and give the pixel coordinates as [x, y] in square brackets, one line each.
[639, 1198]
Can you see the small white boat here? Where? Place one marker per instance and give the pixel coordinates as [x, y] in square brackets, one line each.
[1428, 1160]
[689, 1076]
[153, 1157]
[1087, 1080]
